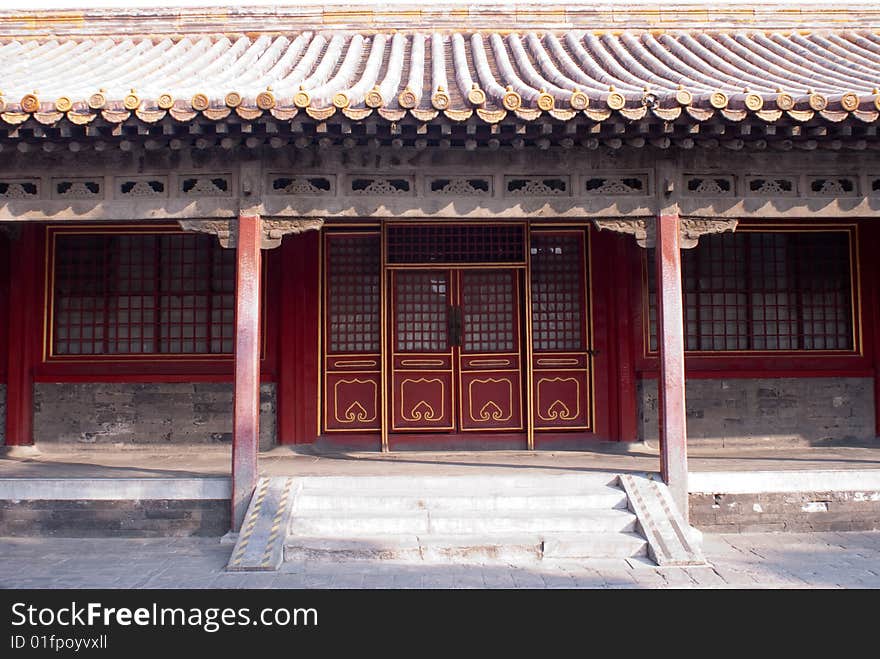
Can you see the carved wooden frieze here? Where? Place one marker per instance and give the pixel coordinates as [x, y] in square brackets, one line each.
[302, 184]
[20, 189]
[832, 186]
[381, 185]
[205, 185]
[536, 186]
[771, 186]
[77, 188]
[622, 185]
[709, 185]
[459, 186]
[141, 187]
[690, 229]
[273, 229]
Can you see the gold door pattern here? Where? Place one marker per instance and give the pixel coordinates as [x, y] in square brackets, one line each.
[456, 350]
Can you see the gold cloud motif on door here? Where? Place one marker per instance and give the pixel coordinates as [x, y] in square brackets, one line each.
[422, 410]
[491, 410]
[356, 412]
[558, 410]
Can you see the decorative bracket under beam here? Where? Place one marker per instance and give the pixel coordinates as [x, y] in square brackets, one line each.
[272, 229]
[643, 229]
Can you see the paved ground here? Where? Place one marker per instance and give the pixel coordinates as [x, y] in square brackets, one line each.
[765, 560]
[145, 462]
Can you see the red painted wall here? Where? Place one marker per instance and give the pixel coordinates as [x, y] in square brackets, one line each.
[297, 320]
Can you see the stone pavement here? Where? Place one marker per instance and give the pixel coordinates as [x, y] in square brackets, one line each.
[759, 560]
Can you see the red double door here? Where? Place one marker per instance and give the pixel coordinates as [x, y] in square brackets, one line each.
[456, 350]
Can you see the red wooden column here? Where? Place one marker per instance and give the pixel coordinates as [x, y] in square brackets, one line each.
[25, 266]
[670, 340]
[246, 412]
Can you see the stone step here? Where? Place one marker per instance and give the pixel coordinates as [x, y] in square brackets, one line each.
[344, 524]
[605, 497]
[501, 483]
[453, 548]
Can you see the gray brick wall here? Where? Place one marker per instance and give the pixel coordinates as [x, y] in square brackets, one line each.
[179, 413]
[772, 412]
[2, 414]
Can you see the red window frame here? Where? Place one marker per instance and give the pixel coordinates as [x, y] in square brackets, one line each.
[773, 363]
[145, 367]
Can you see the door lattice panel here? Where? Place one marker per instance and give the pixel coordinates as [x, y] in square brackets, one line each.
[423, 244]
[557, 292]
[489, 311]
[353, 293]
[421, 302]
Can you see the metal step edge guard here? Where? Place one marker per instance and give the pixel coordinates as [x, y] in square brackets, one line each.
[668, 535]
[260, 544]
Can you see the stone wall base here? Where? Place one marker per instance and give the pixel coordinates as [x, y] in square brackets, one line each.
[786, 511]
[119, 518]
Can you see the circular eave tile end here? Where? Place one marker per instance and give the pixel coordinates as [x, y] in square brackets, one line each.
[546, 102]
[615, 101]
[374, 99]
[718, 100]
[850, 101]
[684, 97]
[818, 102]
[200, 102]
[97, 101]
[476, 96]
[440, 100]
[785, 101]
[407, 99]
[341, 100]
[30, 103]
[165, 101]
[63, 104]
[579, 100]
[266, 100]
[754, 102]
[232, 100]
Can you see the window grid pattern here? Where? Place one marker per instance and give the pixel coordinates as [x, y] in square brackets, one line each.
[764, 291]
[456, 244]
[421, 311]
[136, 294]
[489, 311]
[557, 292]
[353, 294]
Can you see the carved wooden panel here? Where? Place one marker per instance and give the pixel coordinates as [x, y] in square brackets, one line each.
[205, 185]
[77, 188]
[460, 186]
[381, 185]
[709, 185]
[624, 184]
[772, 186]
[134, 187]
[302, 184]
[832, 186]
[537, 186]
[20, 188]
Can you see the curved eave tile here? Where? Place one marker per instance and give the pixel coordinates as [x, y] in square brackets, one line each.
[699, 76]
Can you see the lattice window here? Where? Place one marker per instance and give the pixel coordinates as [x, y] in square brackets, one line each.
[421, 304]
[140, 293]
[765, 291]
[353, 293]
[440, 243]
[489, 311]
[558, 292]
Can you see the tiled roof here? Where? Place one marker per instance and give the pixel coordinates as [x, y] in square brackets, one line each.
[490, 73]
